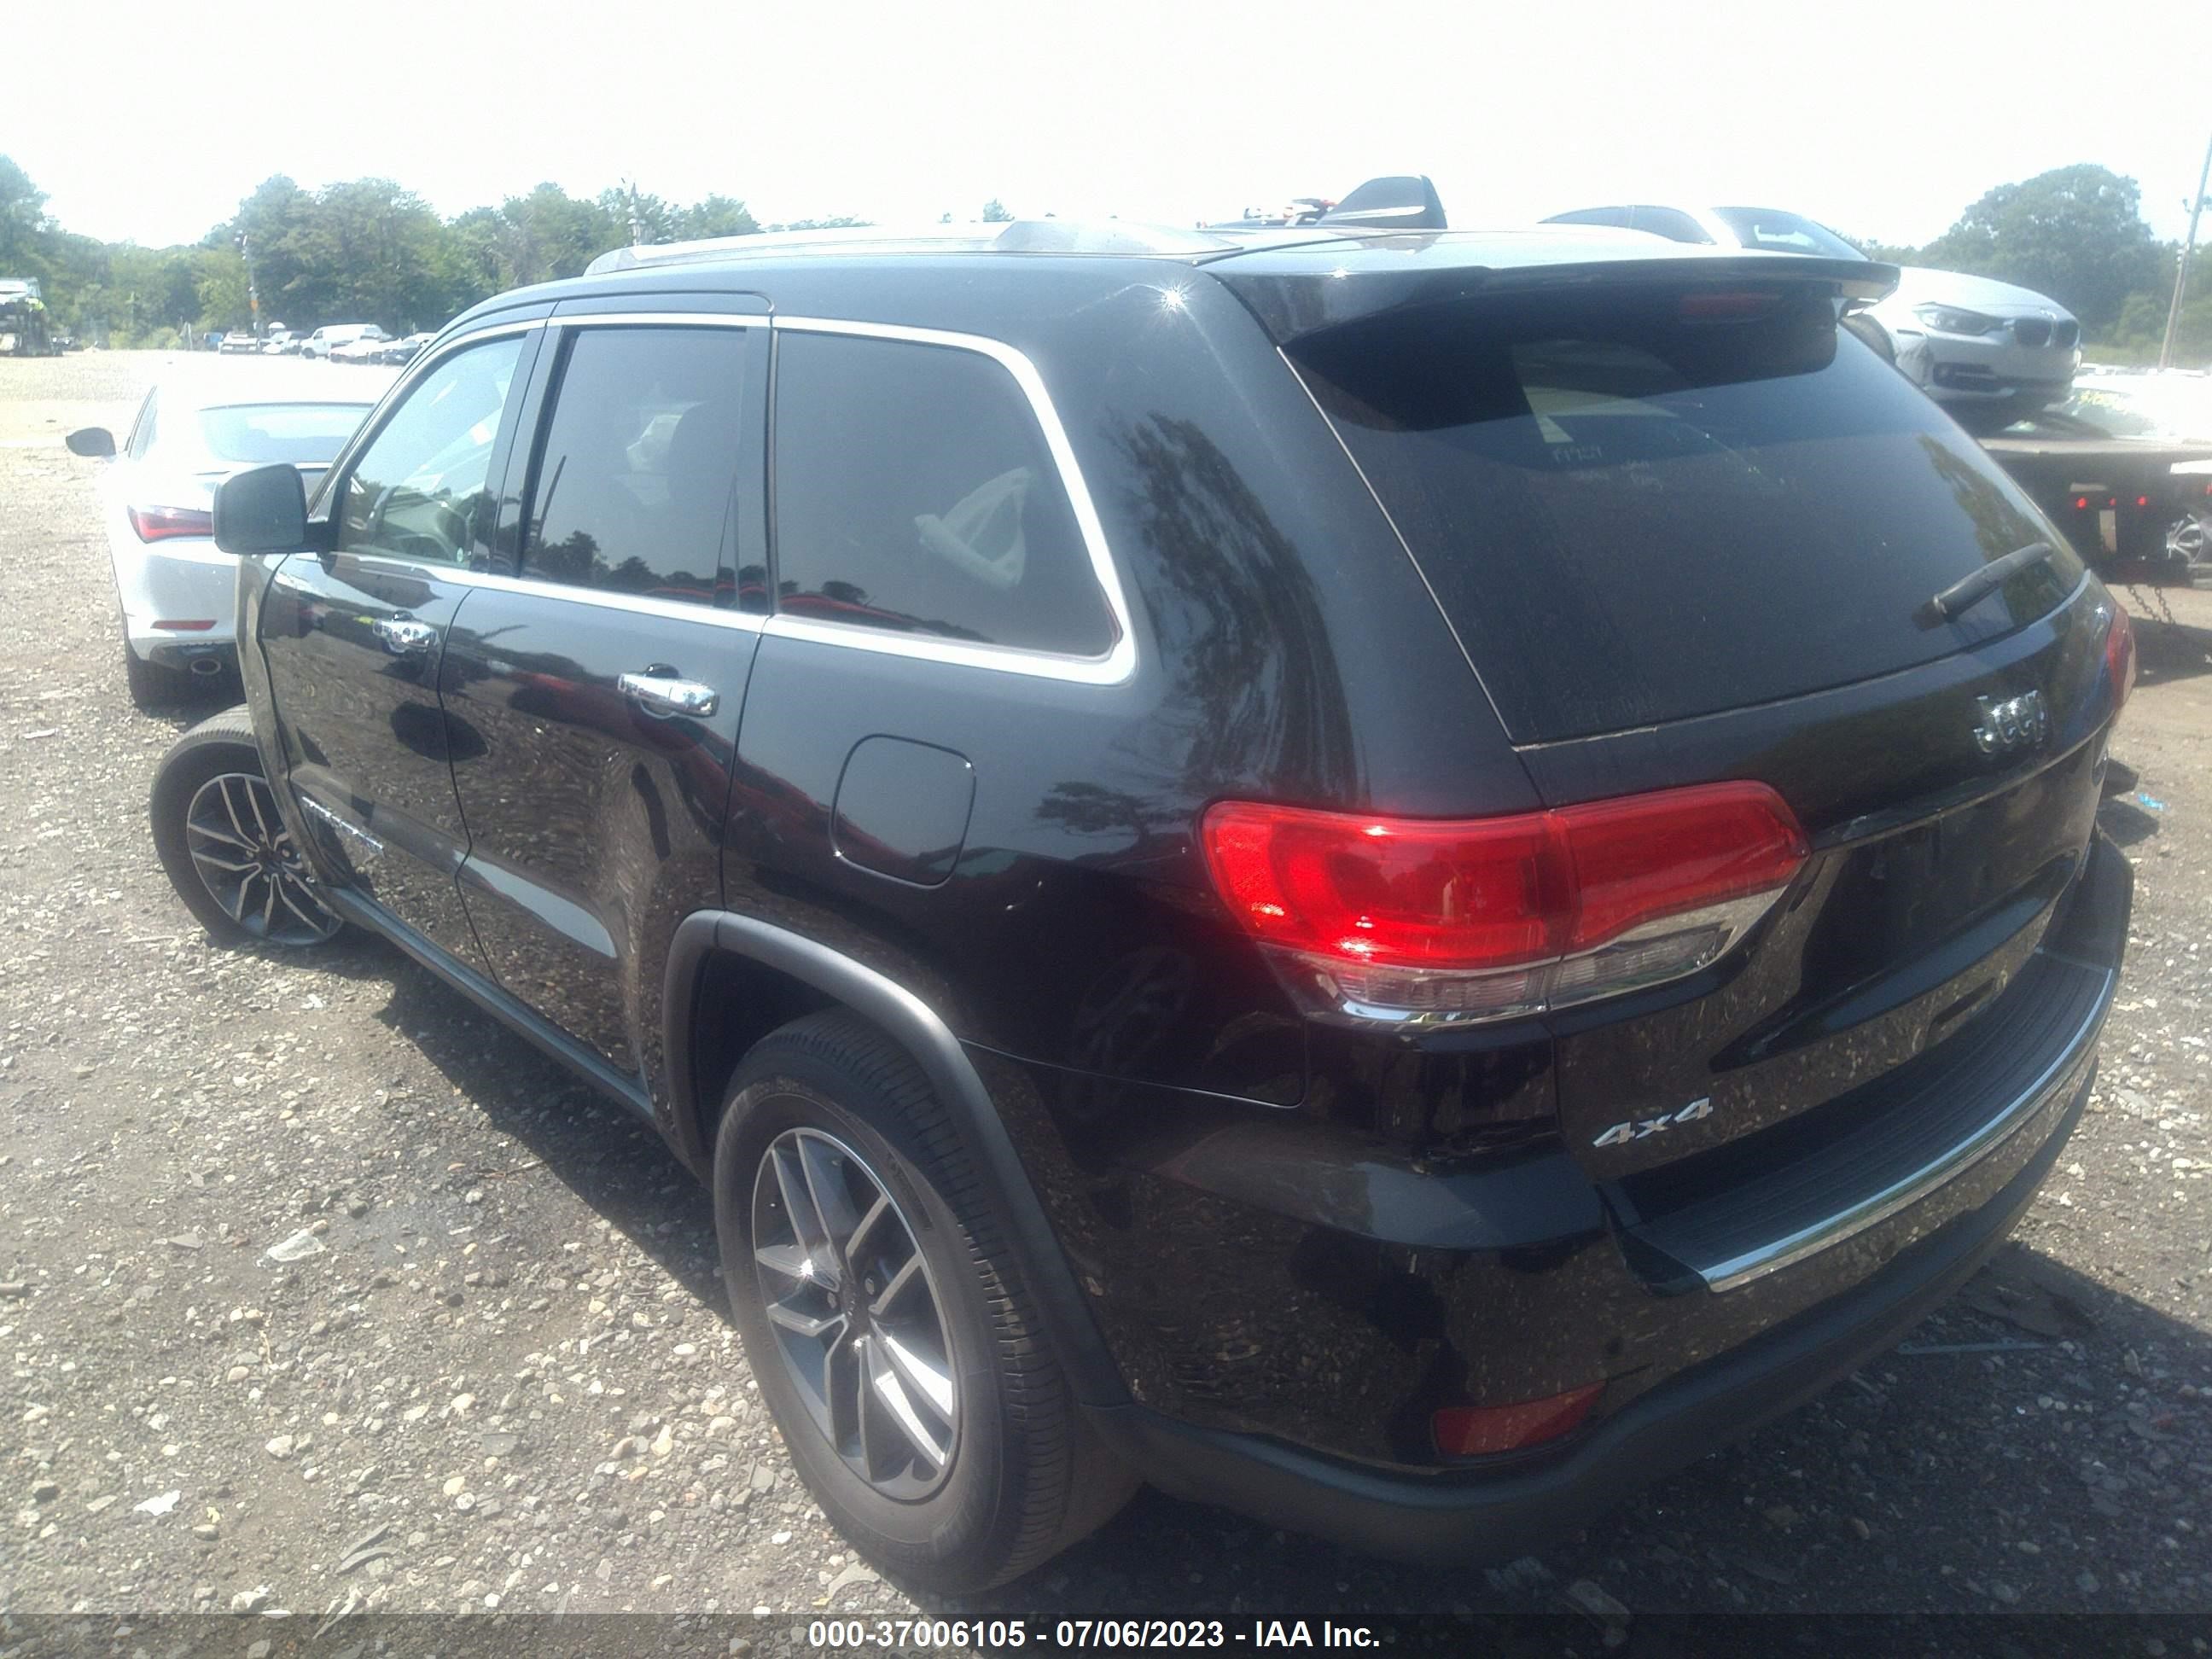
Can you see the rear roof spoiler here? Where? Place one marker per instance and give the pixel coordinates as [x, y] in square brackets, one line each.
[1299, 292]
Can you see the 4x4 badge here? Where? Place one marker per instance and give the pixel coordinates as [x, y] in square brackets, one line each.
[2013, 723]
[1636, 1128]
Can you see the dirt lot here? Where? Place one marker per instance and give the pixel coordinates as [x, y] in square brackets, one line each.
[505, 1377]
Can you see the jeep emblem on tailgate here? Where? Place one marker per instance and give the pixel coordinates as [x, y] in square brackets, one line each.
[2015, 723]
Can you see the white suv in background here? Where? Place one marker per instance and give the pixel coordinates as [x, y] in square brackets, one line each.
[1990, 352]
[328, 338]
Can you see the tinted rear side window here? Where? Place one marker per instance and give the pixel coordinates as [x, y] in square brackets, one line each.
[639, 468]
[914, 491]
[1634, 516]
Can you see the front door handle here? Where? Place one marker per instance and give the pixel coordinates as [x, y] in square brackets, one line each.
[665, 697]
[403, 636]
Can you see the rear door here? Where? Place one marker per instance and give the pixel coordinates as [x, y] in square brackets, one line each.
[594, 683]
[353, 637]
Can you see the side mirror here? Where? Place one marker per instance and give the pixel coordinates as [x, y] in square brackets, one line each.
[96, 441]
[263, 511]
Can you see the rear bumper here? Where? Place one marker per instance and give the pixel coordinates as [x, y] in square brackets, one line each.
[1466, 1517]
[184, 580]
[1309, 1404]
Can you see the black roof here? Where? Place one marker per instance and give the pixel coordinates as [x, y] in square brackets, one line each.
[1297, 279]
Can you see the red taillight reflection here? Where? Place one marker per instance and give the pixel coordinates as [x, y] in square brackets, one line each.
[1476, 1431]
[156, 524]
[2081, 502]
[1484, 893]
[2120, 655]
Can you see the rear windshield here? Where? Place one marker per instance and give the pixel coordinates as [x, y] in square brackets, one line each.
[1640, 506]
[256, 435]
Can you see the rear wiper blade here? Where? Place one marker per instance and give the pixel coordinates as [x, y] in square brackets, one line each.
[1970, 590]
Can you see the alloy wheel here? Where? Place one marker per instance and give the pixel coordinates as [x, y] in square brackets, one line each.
[857, 1321]
[2186, 543]
[245, 858]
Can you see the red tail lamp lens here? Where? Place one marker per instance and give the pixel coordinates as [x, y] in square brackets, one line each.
[1478, 1431]
[155, 524]
[2120, 655]
[1495, 892]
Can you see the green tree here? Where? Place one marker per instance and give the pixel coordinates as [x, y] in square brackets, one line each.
[716, 216]
[549, 233]
[995, 214]
[2075, 234]
[219, 283]
[23, 226]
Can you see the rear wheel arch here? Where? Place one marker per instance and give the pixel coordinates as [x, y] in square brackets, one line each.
[733, 980]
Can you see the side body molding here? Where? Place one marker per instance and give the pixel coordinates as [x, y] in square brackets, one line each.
[910, 1022]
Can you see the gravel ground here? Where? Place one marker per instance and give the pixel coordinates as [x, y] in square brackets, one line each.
[501, 1374]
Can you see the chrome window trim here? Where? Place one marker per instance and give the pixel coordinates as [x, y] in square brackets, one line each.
[660, 319]
[644, 605]
[436, 352]
[459, 575]
[1112, 668]
[339, 472]
[1119, 662]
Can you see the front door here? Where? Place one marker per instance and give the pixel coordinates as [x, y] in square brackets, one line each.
[353, 637]
[599, 685]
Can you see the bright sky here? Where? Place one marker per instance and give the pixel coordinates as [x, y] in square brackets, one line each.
[1881, 119]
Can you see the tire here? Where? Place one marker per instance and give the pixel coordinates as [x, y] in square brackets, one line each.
[224, 847]
[1022, 1477]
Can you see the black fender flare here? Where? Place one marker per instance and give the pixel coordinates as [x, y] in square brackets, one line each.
[911, 1022]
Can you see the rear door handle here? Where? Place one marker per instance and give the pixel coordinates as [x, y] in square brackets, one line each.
[405, 637]
[663, 695]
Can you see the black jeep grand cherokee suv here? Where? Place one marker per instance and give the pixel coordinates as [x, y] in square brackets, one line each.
[1393, 880]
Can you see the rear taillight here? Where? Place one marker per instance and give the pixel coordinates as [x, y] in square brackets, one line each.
[1421, 919]
[157, 523]
[2120, 655]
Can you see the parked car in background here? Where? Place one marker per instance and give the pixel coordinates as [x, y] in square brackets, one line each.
[328, 338]
[398, 352]
[369, 348]
[176, 590]
[239, 343]
[280, 342]
[1988, 351]
[1398, 882]
[2124, 466]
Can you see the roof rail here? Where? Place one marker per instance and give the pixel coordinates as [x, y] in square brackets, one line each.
[1018, 236]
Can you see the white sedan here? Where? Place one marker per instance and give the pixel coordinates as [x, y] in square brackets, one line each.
[177, 589]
